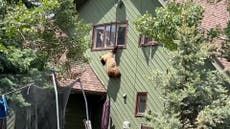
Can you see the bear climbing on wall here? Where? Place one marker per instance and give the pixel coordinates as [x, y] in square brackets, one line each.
[108, 59]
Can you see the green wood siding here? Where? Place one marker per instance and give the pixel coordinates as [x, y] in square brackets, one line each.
[136, 63]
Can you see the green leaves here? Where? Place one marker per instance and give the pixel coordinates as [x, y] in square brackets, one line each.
[215, 116]
[164, 25]
[34, 38]
[225, 52]
[16, 61]
[194, 90]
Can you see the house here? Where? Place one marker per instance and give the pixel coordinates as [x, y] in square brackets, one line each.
[133, 93]
[137, 57]
[75, 112]
[215, 16]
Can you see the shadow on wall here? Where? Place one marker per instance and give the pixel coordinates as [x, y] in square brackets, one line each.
[94, 10]
[146, 5]
[114, 83]
[148, 52]
[120, 11]
[113, 87]
[118, 56]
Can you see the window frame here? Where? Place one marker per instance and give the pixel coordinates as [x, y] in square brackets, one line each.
[150, 43]
[125, 23]
[143, 126]
[137, 112]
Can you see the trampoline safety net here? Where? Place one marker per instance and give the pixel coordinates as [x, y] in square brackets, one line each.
[40, 110]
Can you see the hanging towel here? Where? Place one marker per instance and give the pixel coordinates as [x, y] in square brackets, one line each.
[3, 106]
[105, 115]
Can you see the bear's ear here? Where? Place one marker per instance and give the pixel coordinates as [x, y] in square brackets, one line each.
[102, 61]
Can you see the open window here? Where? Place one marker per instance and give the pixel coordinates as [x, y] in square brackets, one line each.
[141, 101]
[107, 36]
[146, 41]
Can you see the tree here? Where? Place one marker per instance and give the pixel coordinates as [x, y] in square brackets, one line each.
[195, 94]
[163, 25]
[226, 45]
[33, 39]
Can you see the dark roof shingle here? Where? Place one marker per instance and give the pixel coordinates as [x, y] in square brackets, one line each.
[89, 80]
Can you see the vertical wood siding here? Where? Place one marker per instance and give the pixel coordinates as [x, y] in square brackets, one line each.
[136, 63]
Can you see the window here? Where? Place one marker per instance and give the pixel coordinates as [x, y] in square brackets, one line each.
[145, 127]
[146, 41]
[107, 36]
[141, 103]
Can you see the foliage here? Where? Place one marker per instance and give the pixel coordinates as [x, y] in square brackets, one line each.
[225, 52]
[226, 45]
[194, 91]
[164, 24]
[16, 61]
[33, 38]
[41, 29]
[161, 121]
[215, 116]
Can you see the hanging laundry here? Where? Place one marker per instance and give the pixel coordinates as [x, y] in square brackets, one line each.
[105, 115]
[3, 106]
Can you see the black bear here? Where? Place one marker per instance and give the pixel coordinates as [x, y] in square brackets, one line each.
[111, 66]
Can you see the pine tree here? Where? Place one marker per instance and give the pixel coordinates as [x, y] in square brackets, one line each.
[195, 95]
[226, 45]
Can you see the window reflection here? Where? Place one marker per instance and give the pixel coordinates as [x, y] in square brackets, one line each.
[108, 36]
[99, 36]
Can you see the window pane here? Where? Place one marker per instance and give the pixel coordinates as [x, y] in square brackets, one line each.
[108, 36]
[142, 104]
[146, 41]
[113, 34]
[98, 36]
[121, 35]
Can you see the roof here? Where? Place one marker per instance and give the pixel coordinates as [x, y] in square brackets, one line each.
[89, 80]
[215, 15]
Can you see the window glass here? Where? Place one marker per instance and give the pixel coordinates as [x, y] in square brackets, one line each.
[99, 36]
[113, 35]
[142, 103]
[146, 41]
[121, 34]
[107, 36]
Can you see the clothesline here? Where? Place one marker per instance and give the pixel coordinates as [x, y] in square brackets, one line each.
[19, 89]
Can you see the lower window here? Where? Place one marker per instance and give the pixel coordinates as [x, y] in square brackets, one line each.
[141, 101]
[145, 127]
[146, 41]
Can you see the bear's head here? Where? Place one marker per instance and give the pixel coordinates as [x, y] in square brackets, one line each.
[106, 57]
